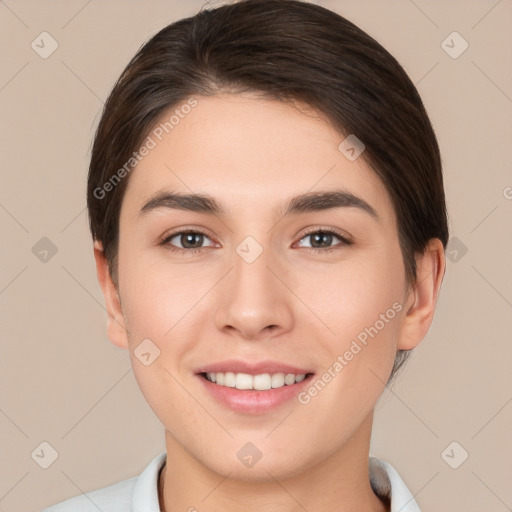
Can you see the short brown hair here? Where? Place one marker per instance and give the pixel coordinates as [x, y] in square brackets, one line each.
[288, 50]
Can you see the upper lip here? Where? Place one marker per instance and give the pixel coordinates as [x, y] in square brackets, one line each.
[238, 366]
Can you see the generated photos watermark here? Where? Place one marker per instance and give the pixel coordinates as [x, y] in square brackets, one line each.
[151, 142]
[357, 345]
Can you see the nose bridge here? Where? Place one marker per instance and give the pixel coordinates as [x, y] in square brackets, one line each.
[253, 298]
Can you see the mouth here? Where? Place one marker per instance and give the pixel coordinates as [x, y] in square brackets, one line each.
[253, 390]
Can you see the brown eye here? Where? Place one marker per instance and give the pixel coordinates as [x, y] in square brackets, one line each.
[191, 240]
[323, 239]
[186, 241]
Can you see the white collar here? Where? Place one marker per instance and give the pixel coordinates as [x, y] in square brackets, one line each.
[384, 479]
[387, 484]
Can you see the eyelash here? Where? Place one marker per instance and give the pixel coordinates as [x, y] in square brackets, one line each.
[344, 240]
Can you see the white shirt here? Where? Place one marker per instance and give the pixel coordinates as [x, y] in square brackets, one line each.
[140, 493]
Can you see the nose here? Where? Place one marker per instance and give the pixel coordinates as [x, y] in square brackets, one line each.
[253, 303]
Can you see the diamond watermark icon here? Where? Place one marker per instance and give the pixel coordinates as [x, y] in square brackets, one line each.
[44, 455]
[454, 45]
[146, 352]
[455, 249]
[44, 249]
[249, 455]
[351, 147]
[249, 249]
[454, 455]
[44, 45]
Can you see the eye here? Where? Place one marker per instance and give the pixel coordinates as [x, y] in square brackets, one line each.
[192, 240]
[321, 240]
[189, 241]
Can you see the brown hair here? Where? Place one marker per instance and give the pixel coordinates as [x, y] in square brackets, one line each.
[287, 50]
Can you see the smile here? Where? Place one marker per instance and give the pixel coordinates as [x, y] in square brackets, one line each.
[253, 394]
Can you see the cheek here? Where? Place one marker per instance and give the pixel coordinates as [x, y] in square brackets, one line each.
[357, 345]
[163, 312]
[352, 294]
[167, 305]
[359, 309]
[157, 297]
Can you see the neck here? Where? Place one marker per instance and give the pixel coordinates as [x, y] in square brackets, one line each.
[338, 483]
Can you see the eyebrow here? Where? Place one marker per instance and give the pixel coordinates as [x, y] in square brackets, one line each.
[309, 202]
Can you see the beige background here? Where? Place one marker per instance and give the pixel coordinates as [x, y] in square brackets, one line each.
[63, 382]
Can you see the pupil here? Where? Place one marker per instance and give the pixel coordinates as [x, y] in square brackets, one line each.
[318, 236]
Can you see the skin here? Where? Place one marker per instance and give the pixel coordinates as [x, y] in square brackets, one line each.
[291, 304]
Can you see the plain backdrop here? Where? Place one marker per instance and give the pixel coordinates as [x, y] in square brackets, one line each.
[63, 383]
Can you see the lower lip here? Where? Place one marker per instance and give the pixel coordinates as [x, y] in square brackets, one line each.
[251, 401]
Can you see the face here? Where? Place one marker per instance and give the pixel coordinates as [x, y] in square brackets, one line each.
[258, 288]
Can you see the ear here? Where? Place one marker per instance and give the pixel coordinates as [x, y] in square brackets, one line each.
[116, 328]
[422, 298]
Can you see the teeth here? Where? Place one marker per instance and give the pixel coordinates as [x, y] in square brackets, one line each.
[257, 382]
[230, 380]
[278, 380]
[289, 379]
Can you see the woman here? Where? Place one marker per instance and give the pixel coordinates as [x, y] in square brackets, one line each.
[266, 201]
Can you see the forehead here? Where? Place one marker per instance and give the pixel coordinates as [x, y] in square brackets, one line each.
[249, 152]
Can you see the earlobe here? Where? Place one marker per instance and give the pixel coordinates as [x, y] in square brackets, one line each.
[422, 298]
[116, 328]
